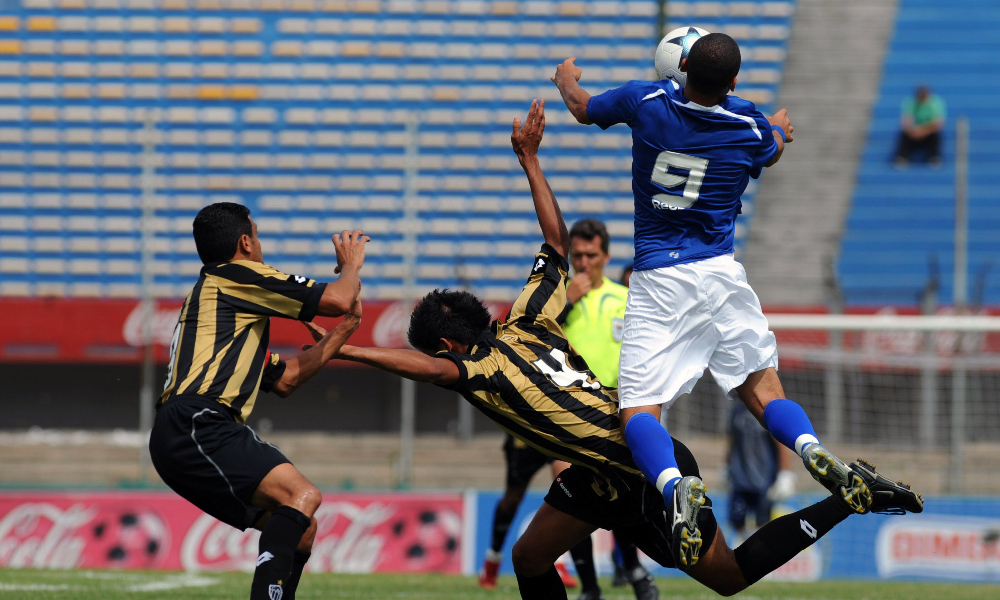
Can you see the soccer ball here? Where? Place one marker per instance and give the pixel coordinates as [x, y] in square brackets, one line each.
[674, 48]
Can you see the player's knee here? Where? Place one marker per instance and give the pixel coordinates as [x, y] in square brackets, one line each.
[307, 500]
[526, 562]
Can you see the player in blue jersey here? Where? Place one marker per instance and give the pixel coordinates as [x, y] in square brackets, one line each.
[690, 308]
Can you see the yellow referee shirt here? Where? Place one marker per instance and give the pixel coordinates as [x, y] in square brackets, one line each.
[594, 327]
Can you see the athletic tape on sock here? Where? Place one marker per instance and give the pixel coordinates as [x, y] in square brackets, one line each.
[804, 440]
[666, 477]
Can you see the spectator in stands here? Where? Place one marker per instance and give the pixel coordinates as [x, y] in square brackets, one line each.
[922, 120]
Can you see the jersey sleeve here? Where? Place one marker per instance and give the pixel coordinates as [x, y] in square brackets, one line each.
[475, 371]
[543, 299]
[261, 290]
[274, 368]
[616, 105]
[766, 150]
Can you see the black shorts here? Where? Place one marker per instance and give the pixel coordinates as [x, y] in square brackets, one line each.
[638, 514]
[213, 462]
[523, 461]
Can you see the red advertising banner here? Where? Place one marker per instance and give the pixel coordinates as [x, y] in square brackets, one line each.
[357, 533]
[110, 331]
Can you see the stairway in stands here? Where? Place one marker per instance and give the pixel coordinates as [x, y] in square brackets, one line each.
[831, 82]
[899, 231]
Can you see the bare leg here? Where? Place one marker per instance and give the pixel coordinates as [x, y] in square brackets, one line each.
[759, 390]
[288, 530]
[286, 486]
[549, 535]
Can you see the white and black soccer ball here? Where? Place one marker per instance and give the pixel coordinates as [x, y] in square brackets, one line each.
[674, 48]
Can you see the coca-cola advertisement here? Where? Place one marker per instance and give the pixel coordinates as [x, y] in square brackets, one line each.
[358, 533]
[111, 330]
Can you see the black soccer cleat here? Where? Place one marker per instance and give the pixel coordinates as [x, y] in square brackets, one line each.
[591, 595]
[643, 584]
[834, 475]
[888, 497]
[685, 545]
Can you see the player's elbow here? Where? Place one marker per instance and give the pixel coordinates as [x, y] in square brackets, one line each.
[283, 389]
[581, 116]
[334, 305]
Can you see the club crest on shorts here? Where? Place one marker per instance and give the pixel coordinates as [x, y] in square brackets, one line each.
[274, 592]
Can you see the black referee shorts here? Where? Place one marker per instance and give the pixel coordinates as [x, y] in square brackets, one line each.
[523, 461]
[209, 459]
[638, 515]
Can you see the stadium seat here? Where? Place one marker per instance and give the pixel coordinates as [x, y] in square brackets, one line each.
[902, 221]
[300, 108]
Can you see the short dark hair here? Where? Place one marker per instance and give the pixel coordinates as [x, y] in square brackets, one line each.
[217, 230]
[712, 63]
[452, 314]
[588, 229]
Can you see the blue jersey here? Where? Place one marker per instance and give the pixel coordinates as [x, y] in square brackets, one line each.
[690, 165]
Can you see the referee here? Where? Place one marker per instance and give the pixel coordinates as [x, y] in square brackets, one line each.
[219, 361]
[593, 322]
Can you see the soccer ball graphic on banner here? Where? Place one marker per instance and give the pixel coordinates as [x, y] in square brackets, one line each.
[674, 48]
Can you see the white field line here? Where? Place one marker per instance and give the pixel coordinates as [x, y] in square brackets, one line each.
[39, 587]
[173, 582]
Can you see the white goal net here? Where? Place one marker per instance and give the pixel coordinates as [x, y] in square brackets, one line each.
[918, 395]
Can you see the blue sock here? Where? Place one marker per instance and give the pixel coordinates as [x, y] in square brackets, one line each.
[789, 424]
[653, 451]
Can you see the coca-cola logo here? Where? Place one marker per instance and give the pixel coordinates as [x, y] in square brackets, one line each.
[164, 321]
[345, 541]
[44, 536]
[390, 328]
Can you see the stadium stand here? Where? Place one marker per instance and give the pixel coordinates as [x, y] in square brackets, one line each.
[830, 83]
[300, 109]
[899, 232]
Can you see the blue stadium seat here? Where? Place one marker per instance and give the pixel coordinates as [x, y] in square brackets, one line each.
[298, 109]
[902, 221]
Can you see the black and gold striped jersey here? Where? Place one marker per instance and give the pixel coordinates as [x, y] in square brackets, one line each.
[525, 376]
[219, 348]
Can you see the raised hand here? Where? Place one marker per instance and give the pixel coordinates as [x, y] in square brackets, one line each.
[526, 139]
[781, 119]
[568, 68]
[350, 247]
[579, 286]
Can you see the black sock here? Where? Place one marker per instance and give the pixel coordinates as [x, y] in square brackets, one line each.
[501, 523]
[278, 541]
[779, 541]
[299, 561]
[544, 587]
[629, 554]
[583, 558]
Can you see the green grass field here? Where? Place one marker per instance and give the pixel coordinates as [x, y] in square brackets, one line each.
[111, 585]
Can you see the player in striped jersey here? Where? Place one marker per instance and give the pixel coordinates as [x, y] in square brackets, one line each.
[523, 374]
[219, 361]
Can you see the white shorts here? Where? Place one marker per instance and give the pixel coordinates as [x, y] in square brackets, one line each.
[683, 319]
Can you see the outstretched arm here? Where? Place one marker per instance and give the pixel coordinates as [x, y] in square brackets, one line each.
[567, 79]
[525, 141]
[304, 367]
[405, 363]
